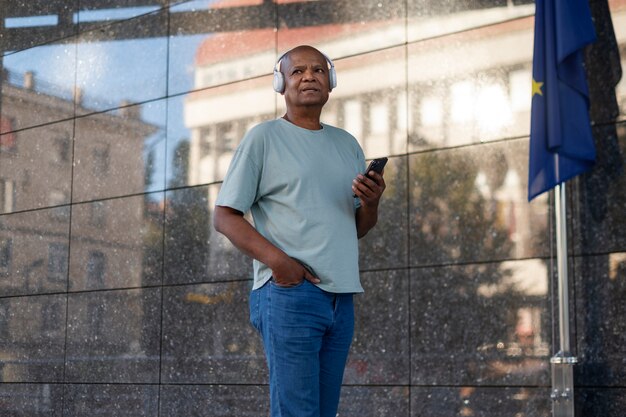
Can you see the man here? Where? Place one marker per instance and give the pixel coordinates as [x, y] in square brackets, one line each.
[302, 180]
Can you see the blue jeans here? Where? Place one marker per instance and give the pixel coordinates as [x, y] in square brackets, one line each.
[306, 334]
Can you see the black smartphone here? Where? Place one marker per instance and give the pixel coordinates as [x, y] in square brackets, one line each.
[376, 165]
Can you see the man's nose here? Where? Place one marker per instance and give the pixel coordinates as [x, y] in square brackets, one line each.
[308, 74]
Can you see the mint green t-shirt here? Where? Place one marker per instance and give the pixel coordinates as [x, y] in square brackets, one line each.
[297, 183]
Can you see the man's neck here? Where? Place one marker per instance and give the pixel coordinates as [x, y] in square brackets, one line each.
[309, 120]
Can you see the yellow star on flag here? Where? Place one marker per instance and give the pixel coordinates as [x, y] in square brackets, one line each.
[537, 88]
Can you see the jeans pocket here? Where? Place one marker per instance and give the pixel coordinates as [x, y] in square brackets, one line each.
[287, 287]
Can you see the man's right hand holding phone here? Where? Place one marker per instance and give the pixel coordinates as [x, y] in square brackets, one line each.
[369, 187]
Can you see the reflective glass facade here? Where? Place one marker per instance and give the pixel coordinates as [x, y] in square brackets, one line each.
[119, 120]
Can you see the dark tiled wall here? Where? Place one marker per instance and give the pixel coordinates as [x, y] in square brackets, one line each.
[117, 297]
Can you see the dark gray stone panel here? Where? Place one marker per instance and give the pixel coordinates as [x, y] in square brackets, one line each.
[379, 354]
[374, 401]
[214, 400]
[103, 81]
[485, 324]
[470, 204]
[36, 163]
[386, 245]
[609, 402]
[600, 291]
[111, 400]
[480, 402]
[32, 400]
[113, 336]
[114, 152]
[34, 251]
[207, 337]
[194, 250]
[117, 243]
[32, 338]
[596, 213]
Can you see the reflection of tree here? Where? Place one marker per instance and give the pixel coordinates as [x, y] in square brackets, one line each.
[187, 224]
[467, 313]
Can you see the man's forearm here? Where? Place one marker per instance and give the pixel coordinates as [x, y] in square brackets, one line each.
[366, 218]
[244, 236]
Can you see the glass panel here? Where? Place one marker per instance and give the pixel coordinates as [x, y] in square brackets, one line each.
[32, 338]
[117, 243]
[34, 251]
[485, 324]
[114, 336]
[119, 152]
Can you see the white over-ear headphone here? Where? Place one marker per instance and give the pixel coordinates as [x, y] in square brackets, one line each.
[279, 79]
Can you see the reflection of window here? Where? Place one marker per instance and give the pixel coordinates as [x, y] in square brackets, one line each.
[7, 138]
[96, 268]
[353, 118]
[63, 149]
[379, 119]
[97, 214]
[50, 316]
[101, 160]
[57, 261]
[4, 322]
[431, 111]
[7, 195]
[6, 249]
[206, 141]
[462, 95]
[226, 138]
[519, 82]
[57, 198]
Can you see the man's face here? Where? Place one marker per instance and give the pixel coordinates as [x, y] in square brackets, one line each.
[306, 78]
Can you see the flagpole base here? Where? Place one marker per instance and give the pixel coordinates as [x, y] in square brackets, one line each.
[562, 394]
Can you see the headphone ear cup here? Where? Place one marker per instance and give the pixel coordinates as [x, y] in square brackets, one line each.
[278, 82]
[332, 78]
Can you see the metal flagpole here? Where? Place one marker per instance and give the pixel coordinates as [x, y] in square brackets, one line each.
[562, 362]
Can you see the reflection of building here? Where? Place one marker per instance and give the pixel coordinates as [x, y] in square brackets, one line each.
[36, 170]
[470, 88]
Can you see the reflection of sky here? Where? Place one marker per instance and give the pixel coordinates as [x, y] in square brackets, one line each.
[100, 63]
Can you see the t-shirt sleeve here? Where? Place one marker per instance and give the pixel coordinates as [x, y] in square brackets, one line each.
[240, 186]
[361, 162]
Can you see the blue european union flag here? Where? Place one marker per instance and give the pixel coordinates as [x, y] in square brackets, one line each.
[561, 143]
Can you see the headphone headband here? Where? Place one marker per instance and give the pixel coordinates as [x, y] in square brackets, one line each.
[278, 81]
